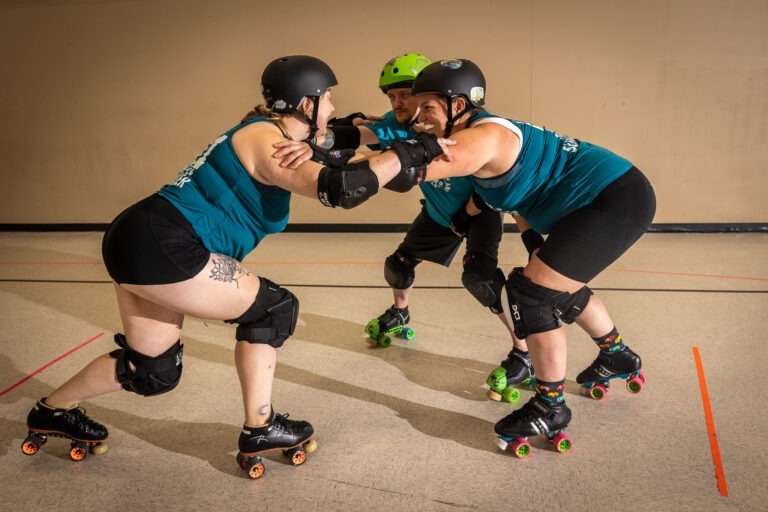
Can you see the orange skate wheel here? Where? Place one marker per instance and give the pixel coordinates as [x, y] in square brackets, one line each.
[298, 457]
[78, 451]
[255, 470]
[30, 446]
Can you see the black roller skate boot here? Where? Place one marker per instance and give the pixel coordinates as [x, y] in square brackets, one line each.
[280, 433]
[515, 370]
[619, 364]
[536, 417]
[73, 424]
[392, 321]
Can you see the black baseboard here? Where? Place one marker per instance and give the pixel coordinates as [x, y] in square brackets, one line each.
[721, 227]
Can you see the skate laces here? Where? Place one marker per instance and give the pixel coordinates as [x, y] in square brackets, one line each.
[282, 422]
[81, 419]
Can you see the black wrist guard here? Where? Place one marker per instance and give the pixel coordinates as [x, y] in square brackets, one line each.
[346, 137]
[347, 186]
[532, 240]
[417, 152]
[346, 121]
[331, 157]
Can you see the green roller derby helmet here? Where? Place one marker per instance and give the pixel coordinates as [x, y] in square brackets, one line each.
[400, 72]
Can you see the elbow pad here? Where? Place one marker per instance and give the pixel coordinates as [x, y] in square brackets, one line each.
[347, 186]
[406, 179]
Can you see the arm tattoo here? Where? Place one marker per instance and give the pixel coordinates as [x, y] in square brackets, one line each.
[227, 269]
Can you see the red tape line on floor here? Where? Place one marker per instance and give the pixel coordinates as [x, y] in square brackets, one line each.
[62, 356]
[722, 486]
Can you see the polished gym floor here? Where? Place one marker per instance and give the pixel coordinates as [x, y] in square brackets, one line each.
[406, 427]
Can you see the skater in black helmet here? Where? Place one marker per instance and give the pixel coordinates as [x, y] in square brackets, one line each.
[179, 252]
[592, 203]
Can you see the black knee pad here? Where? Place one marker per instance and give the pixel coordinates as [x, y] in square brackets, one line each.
[153, 375]
[399, 270]
[576, 304]
[531, 308]
[272, 317]
[483, 280]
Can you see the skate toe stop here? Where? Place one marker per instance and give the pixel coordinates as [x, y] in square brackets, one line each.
[98, 449]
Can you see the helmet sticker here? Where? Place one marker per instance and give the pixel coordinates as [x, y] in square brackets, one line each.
[476, 94]
[452, 64]
[279, 104]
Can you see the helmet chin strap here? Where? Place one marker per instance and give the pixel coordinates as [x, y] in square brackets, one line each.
[451, 118]
[312, 121]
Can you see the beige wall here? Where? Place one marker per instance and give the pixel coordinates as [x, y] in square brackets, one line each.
[102, 102]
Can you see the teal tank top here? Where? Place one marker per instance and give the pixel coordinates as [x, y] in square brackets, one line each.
[230, 211]
[552, 176]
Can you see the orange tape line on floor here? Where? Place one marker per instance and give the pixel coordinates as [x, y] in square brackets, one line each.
[722, 486]
[62, 356]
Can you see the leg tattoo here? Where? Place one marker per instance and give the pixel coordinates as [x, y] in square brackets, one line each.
[227, 269]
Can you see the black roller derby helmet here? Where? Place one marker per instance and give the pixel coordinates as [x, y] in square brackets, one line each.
[285, 81]
[452, 78]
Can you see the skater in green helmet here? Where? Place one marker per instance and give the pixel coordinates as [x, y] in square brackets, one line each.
[448, 216]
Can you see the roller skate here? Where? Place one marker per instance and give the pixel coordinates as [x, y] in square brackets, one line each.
[534, 418]
[515, 370]
[294, 438]
[621, 364]
[393, 321]
[73, 424]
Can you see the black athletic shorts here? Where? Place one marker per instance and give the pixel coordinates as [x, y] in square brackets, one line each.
[585, 242]
[152, 243]
[430, 241]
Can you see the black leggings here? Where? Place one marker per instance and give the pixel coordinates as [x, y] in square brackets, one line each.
[585, 242]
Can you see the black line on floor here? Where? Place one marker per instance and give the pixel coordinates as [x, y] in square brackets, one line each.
[351, 286]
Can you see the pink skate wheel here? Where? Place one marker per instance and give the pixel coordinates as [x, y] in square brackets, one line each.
[598, 392]
[520, 448]
[635, 385]
[562, 442]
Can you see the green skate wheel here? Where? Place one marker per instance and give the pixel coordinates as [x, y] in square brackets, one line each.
[408, 333]
[497, 380]
[384, 340]
[372, 328]
[510, 395]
